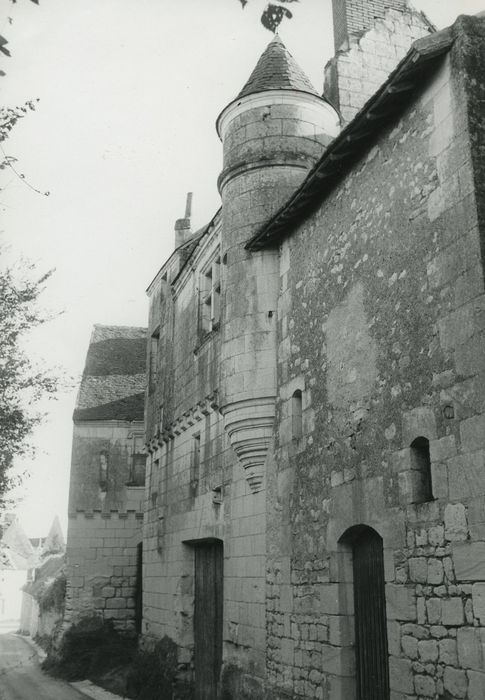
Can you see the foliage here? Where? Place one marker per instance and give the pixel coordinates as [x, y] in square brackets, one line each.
[22, 384]
[90, 649]
[54, 595]
[153, 673]
[273, 14]
[3, 40]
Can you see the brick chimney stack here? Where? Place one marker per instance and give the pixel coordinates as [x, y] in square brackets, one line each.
[183, 229]
[371, 37]
[352, 18]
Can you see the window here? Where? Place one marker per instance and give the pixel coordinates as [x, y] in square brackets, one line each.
[103, 471]
[421, 464]
[296, 415]
[195, 464]
[138, 463]
[154, 343]
[210, 295]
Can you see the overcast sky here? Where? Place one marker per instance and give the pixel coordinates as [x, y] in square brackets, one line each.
[129, 93]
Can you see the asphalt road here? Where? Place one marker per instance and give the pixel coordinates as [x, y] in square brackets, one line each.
[21, 677]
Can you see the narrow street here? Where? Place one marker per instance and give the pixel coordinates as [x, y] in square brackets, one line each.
[21, 677]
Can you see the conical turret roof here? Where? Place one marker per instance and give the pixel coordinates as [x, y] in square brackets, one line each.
[277, 70]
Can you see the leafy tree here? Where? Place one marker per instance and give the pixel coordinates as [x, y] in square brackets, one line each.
[273, 13]
[22, 384]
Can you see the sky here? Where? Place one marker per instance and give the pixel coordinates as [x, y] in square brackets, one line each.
[129, 92]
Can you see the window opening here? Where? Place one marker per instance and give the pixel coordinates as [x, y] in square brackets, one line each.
[421, 463]
[154, 343]
[138, 462]
[296, 415]
[210, 290]
[195, 465]
[103, 471]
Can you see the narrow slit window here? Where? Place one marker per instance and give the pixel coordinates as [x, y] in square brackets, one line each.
[296, 415]
[154, 343]
[421, 464]
[195, 465]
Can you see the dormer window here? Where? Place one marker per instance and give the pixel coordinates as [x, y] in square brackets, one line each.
[210, 293]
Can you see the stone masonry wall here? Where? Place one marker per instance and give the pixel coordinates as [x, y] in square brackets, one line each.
[101, 567]
[189, 500]
[380, 324]
[355, 74]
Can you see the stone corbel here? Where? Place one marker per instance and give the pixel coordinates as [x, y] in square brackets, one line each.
[249, 425]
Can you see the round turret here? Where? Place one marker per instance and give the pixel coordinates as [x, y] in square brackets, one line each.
[272, 134]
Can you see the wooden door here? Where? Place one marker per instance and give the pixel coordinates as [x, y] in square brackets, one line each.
[208, 619]
[370, 617]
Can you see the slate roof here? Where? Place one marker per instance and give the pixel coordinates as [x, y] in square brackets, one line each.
[114, 377]
[277, 70]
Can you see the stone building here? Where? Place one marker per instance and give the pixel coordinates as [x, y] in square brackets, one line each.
[315, 406]
[107, 481]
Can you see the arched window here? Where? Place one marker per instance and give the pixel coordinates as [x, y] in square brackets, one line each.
[296, 415]
[421, 465]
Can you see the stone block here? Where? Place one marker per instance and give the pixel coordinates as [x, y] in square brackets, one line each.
[418, 569]
[469, 646]
[478, 598]
[401, 602]
[425, 686]
[329, 595]
[452, 613]
[401, 675]
[469, 561]
[448, 652]
[472, 432]
[428, 650]
[476, 687]
[455, 682]
[115, 603]
[442, 449]
[455, 522]
[435, 572]
[419, 422]
[466, 476]
[409, 646]
[337, 661]
[439, 479]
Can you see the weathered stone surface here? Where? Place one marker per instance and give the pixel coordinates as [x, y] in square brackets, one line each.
[452, 611]
[455, 682]
[469, 561]
[455, 522]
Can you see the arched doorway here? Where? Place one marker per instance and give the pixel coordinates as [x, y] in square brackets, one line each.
[371, 649]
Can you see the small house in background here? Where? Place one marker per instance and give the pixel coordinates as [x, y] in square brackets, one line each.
[44, 593]
[107, 480]
[17, 559]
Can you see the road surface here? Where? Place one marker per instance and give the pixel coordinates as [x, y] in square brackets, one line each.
[21, 677]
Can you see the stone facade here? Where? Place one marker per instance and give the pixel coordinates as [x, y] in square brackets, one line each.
[315, 404]
[107, 481]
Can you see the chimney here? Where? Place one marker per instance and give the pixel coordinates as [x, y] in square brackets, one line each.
[352, 18]
[371, 37]
[183, 230]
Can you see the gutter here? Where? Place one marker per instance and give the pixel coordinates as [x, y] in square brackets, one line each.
[347, 147]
